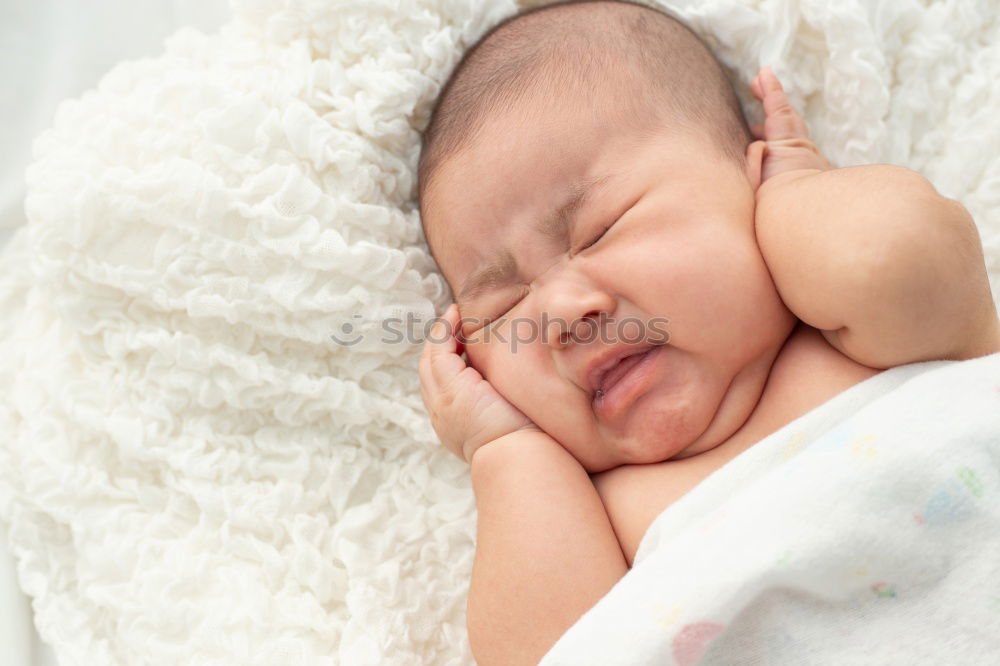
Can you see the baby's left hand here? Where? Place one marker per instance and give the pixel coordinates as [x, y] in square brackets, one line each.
[784, 130]
[466, 411]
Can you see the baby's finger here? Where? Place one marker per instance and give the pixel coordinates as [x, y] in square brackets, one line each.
[757, 129]
[441, 351]
[427, 384]
[755, 87]
[438, 374]
[436, 343]
[441, 338]
[782, 121]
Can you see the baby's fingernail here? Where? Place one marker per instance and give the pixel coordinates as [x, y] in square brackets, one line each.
[773, 77]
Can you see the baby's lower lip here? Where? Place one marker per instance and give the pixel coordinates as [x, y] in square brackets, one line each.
[610, 406]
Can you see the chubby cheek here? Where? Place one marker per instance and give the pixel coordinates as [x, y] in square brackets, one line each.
[496, 364]
[527, 379]
[510, 373]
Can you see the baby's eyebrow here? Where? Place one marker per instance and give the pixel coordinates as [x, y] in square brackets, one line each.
[496, 272]
[557, 224]
[501, 268]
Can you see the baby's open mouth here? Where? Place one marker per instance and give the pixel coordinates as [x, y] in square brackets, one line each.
[619, 370]
[620, 384]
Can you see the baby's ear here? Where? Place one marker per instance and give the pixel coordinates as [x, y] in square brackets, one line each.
[755, 159]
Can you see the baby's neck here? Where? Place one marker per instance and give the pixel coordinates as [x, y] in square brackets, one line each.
[806, 373]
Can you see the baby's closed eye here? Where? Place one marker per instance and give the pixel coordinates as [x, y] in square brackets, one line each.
[594, 238]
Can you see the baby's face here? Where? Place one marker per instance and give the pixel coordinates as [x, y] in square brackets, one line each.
[680, 256]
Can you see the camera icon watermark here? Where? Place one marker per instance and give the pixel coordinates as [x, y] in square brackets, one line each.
[349, 333]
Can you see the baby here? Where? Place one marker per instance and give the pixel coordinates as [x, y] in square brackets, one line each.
[644, 288]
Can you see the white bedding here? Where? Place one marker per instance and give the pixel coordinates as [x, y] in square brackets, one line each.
[193, 472]
[51, 50]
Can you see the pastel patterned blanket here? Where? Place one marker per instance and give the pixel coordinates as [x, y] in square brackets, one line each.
[865, 532]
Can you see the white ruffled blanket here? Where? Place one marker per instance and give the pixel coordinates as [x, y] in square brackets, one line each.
[864, 532]
[191, 470]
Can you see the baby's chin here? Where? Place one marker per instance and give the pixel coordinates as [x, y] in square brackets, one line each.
[652, 448]
[703, 416]
[656, 445]
[677, 418]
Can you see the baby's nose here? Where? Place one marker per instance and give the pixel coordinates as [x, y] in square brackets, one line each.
[573, 310]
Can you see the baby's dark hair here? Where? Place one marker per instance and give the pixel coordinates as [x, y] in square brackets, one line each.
[637, 66]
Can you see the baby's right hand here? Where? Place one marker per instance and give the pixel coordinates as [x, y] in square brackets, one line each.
[466, 411]
[784, 131]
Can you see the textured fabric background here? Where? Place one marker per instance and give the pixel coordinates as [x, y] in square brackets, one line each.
[192, 471]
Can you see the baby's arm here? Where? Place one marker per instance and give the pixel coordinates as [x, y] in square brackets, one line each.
[545, 548]
[891, 271]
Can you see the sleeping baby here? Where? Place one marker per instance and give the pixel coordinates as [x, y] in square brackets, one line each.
[645, 288]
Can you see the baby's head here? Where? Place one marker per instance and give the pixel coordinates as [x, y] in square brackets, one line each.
[587, 186]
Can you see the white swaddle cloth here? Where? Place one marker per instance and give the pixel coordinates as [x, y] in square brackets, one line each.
[866, 531]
